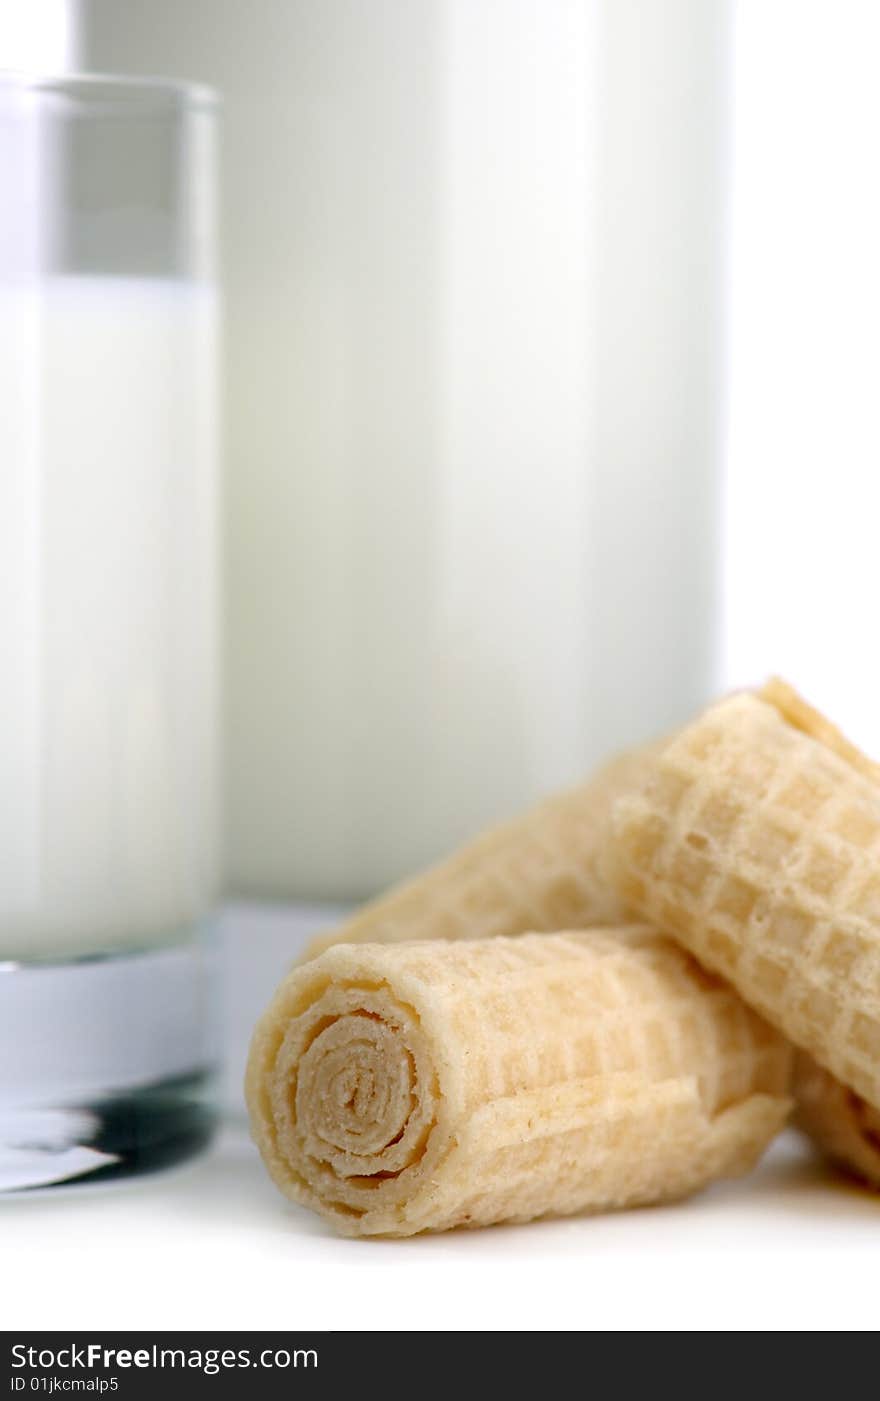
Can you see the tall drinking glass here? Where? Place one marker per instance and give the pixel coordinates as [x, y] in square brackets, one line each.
[107, 631]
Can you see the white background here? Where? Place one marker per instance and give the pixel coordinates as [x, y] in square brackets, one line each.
[802, 570]
[212, 1245]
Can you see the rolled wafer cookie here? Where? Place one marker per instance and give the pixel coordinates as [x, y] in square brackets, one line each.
[542, 871]
[843, 1125]
[754, 839]
[419, 1086]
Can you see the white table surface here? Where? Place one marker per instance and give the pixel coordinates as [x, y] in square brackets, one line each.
[212, 1244]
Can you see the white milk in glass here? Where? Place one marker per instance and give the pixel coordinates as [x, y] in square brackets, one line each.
[106, 614]
[473, 262]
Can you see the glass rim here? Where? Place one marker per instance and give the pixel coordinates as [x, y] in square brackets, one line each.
[113, 87]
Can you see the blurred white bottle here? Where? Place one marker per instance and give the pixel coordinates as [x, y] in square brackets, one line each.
[473, 261]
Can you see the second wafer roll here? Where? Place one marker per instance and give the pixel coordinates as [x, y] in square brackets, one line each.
[754, 838]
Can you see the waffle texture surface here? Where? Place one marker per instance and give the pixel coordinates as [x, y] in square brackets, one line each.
[420, 1086]
[754, 839]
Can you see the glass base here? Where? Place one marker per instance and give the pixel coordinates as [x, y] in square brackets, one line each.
[106, 1065]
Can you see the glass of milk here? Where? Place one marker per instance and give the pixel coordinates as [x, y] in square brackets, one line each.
[107, 628]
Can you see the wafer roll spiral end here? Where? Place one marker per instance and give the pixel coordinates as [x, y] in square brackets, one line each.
[364, 1104]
